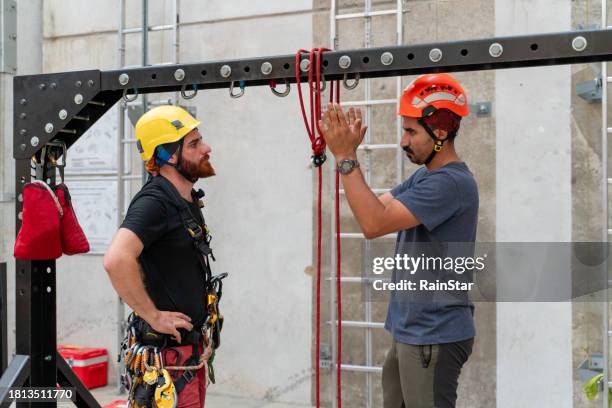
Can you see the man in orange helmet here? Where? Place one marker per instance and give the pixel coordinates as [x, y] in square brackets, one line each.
[433, 330]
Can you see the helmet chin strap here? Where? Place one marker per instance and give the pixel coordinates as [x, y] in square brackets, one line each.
[178, 165]
[438, 143]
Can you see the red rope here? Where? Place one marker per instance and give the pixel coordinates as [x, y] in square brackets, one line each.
[318, 145]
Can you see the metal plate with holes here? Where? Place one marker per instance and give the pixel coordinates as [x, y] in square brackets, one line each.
[45, 107]
[472, 55]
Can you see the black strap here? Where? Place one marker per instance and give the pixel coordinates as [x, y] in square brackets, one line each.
[437, 141]
[188, 375]
[179, 163]
[188, 219]
[199, 235]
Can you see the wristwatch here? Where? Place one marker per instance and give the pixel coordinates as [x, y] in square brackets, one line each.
[345, 166]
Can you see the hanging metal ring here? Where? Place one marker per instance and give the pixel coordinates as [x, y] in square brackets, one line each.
[322, 84]
[352, 85]
[284, 93]
[130, 98]
[189, 96]
[237, 95]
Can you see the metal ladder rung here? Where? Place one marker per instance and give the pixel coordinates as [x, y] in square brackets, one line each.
[353, 323]
[360, 368]
[379, 190]
[103, 174]
[609, 79]
[163, 27]
[140, 65]
[357, 235]
[609, 130]
[609, 231]
[381, 146]
[370, 102]
[357, 279]
[366, 15]
[128, 141]
[132, 177]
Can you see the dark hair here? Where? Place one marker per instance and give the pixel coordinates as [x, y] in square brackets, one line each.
[444, 119]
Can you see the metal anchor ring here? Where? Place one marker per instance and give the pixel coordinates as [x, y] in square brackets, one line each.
[237, 95]
[283, 93]
[351, 85]
[130, 98]
[184, 94]
[322, 84]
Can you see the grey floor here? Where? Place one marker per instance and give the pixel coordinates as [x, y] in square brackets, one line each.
[108, 394]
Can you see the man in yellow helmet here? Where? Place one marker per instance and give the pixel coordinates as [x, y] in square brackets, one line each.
[158, 260]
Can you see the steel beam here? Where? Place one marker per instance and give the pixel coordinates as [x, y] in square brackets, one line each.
[46, 106]
[67, 378]
[14, 376]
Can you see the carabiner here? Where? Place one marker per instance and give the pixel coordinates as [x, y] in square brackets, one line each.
[280, 94]
[238, 95]
[190, 96]
[322, 84]
[346, 84]
[132, 98]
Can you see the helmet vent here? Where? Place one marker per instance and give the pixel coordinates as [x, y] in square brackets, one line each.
[177, 124]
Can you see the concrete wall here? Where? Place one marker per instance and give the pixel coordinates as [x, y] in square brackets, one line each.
[258, 207]
[534, 204]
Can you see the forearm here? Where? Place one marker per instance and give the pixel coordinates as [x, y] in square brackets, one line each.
[126, 277]
[364, 204]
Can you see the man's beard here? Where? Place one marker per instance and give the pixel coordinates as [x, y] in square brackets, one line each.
[202, 169]
[411, 156]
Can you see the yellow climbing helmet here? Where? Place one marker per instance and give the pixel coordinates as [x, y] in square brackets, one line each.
[161, 125]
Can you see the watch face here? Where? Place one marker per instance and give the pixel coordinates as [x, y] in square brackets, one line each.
[346, 166]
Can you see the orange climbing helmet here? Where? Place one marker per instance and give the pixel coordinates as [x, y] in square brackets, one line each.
[431, 92]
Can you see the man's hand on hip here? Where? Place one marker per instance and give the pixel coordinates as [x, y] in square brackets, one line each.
[170, 322]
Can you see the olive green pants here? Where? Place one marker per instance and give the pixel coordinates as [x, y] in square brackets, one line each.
[423, 376]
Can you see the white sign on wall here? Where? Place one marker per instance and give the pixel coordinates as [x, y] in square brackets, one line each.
[96, 150]
[95, 205]
[94, 197]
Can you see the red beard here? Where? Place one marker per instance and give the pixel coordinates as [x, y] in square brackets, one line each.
[203, 169]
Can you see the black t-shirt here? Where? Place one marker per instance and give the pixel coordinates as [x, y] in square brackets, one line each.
[173, 274]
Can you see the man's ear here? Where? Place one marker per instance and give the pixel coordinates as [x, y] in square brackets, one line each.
[174, 158]
[441, 134]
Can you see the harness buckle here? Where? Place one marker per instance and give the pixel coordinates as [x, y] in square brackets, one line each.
[188, 376]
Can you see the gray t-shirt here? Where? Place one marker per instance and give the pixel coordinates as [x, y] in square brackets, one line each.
[445, 200]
